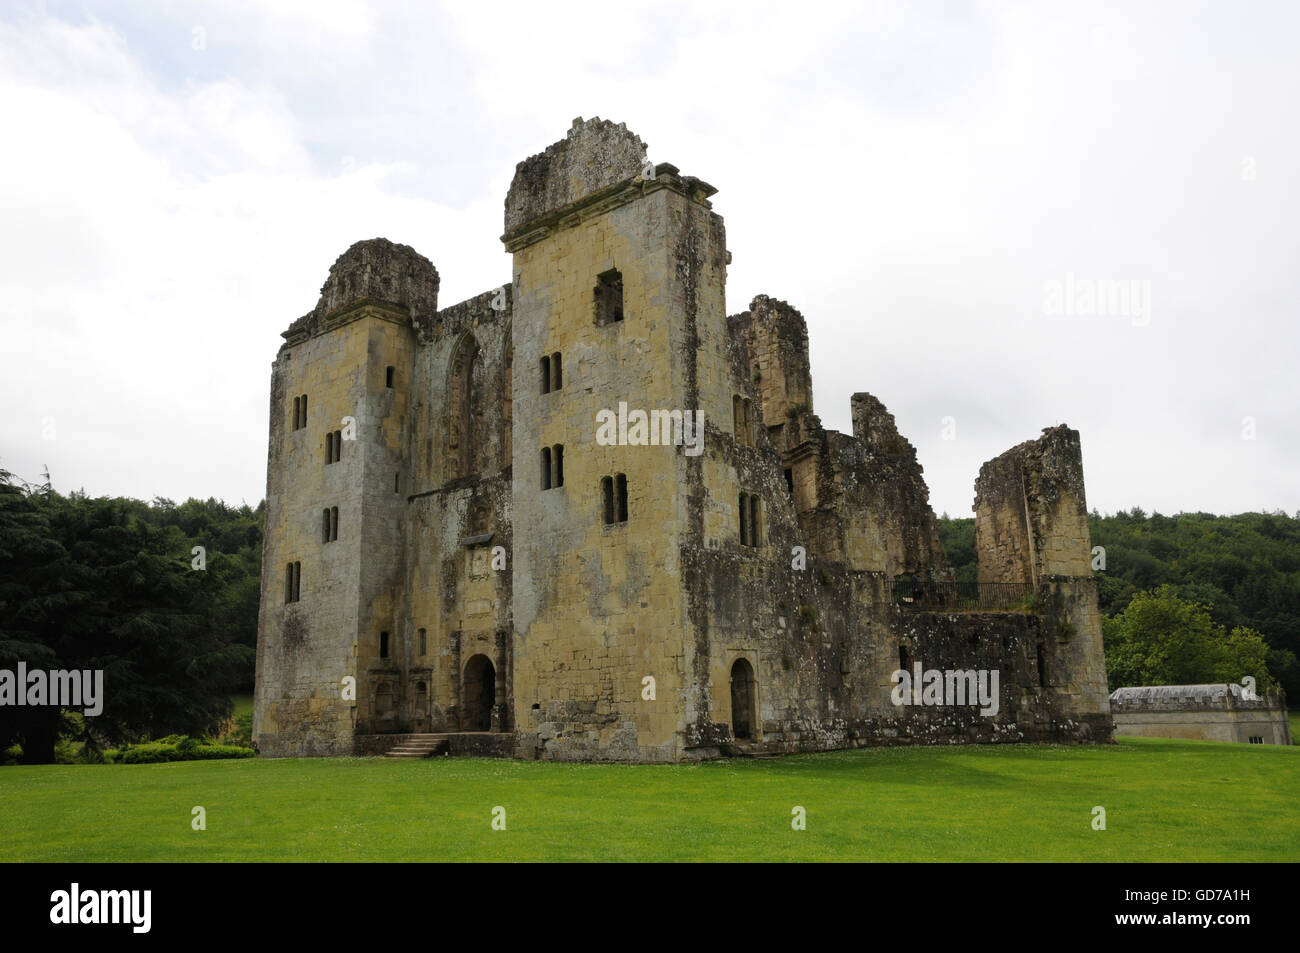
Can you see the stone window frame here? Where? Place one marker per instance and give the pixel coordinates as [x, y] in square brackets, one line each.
[613, 493]
[293, 582]
[552, 368]
[609, 307]
[552, 460]
[333, 446]
[742, 419]
[749, 511]
[330, 524]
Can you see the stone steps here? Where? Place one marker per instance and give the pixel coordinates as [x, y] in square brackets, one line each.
[748, 750]
[419, 746]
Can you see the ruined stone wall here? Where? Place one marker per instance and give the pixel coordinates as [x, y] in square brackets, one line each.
[774, 336]
[447, 467]
[1031, 515]
[1031, 526]
[889, 525]
[458, 511]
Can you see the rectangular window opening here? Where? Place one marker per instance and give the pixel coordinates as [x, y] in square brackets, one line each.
[609, 297]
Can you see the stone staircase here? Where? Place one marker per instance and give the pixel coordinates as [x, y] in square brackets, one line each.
[748, 749]
[419, 746]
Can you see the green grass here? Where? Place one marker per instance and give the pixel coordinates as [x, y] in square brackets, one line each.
[1164, 801]
[243, 705]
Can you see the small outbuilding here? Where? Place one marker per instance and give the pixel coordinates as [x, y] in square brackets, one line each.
[1218, 712]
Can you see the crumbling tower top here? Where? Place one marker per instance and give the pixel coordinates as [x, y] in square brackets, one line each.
[373, 270]
[594, 155]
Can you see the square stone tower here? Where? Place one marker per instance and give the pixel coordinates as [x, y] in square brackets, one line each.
[619, 267]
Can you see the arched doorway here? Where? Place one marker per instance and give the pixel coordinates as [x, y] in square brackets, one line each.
[742, 700]
[480, 693]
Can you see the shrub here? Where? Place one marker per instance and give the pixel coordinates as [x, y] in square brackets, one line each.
[217, 752]
[241, 734]
[187, 749]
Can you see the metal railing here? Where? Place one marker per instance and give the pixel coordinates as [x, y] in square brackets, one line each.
[928, 595]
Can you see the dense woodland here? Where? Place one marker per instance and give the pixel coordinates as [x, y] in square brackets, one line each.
[113, 584]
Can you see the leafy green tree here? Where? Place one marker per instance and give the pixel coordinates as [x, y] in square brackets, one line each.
[1161, 639]
[108, 584]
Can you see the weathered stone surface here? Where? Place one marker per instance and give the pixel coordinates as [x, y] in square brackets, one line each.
[595, 154]
[377, 270]
[540, 621]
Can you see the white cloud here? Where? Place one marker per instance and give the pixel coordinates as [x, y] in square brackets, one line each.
[909, 177]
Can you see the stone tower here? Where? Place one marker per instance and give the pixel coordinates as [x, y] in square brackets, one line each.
[618, 288]
[332, 557]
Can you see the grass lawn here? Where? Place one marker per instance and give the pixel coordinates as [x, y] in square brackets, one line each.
[1164, 800]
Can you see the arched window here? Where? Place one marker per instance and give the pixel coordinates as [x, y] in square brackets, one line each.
[464, 410]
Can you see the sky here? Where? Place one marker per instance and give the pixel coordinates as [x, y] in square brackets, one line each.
[995, 217]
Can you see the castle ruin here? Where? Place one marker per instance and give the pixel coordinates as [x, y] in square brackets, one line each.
[457, 558]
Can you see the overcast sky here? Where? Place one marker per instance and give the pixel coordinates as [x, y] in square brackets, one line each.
[937, 187]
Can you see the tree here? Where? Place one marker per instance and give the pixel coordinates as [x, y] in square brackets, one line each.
[1161, 639]
[107, 584]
